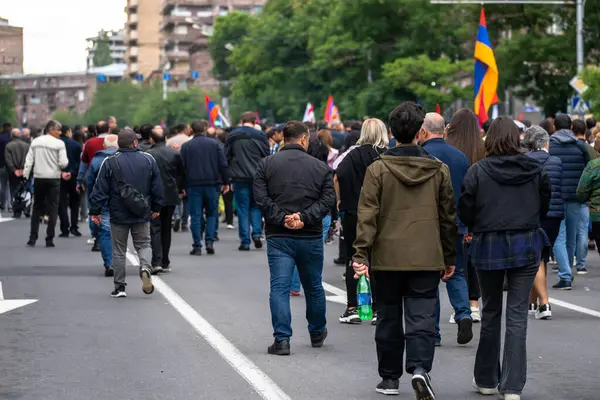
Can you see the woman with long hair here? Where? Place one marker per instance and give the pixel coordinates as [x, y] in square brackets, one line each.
[324, 136]
[463, 133]
[507, 242]
[348, 181]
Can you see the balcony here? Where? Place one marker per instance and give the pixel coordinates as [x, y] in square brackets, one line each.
[134, 51]
[133, 35]
[192, 37]
[132, 19]
[171, 21]
[178, 55]
[168, 5]
[132, 4]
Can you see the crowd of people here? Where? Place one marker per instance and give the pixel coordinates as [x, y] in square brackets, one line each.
[420, 200]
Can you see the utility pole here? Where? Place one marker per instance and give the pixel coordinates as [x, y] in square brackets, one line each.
[580, 51]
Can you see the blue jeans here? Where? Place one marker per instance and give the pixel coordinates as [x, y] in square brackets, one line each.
[102, 234]
[202, 198]
[182, 211]
[458, 292]
[581, 248]
[296, 277]
[283, 255]
[248, 213]
[566, 242]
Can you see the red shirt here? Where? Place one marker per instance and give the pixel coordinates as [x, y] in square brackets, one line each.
[90, 148]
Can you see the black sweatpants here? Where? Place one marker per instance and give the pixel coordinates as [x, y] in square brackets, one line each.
[160, 234]
[349, 222]
[412, 296]
[68, 204]
[46, 194]
[228, 200]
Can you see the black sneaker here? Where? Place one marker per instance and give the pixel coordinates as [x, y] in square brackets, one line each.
[75, 233]
[582, 271]
[49, 243]
[64, 235]
[339, 261]
[591, 245]
[421, 384]
[166, 268]
[544, 312]
[563, 285]
[156, 269]
[118, 292]
[196, 251]
[388, 387]
[465, 330]
[318, 339]
[279, 348]
[210, 248]
[184, 228]
[216, 236]
[244, 247]
[374, 319]
[555, 267]
[257, 242]
[147, 286]
[176, 225]
[109, 272]
[350, 316]
[31, 243]
[96, 246]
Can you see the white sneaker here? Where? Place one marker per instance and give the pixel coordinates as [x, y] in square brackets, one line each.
[475, 316]
[532, 309]
[512, 396]
[543, 312]
[230, 227]
[452, 320]
[90, 241]
[485, 391]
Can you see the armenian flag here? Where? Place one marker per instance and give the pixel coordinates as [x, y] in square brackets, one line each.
[486, 72]
[212, 110]
[332, 114]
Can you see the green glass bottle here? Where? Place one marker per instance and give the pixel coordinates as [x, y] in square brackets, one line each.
[364, 299]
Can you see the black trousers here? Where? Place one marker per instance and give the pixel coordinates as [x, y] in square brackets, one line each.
[596, 234]
[228, 200]
[412, 296]
[160, 236]
[471, 277]
[46, 194]
[349, 222]
[69, 202]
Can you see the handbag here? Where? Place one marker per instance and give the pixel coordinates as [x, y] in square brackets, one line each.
[134, 201]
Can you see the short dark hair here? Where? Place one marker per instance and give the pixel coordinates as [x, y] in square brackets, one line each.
[579, 127]
[503, 138]
[200, 126]
[179, 128]
[156, 136]
[311, 126]
[145, 131]
[591, 123]
[356, 125]
[64, 129]
[101, 128]
[115, 130]
[91, 130]
[322, 124]
[406, 121]
[294, 130]
[249, 117]
[563, 121]
[548, 125]
[6, 126]
[527, 123]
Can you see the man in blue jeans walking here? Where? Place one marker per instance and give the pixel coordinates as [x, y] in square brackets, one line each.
[431, 137]
[244, 148]
[574, 157]
[206, 171]
[294, 201]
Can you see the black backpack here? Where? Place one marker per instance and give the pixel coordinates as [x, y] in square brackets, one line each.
[135, 202]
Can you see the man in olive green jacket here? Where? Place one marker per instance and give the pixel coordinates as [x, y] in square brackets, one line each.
[406, 234]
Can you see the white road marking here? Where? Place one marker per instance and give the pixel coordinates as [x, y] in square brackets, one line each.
[8, 305]
[1, 292]
[335, 290]
[261, 382]
[574, 307]
[2, 219]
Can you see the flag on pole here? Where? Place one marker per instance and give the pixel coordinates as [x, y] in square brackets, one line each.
[332, 115]
[212, 110]
[224, 121]
[258, 121]
[309, 113]
[486, 72]
[438, 109]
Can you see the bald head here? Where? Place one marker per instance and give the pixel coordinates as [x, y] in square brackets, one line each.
[15, 133]
[111, 142]
[434, 124]
[26, 133]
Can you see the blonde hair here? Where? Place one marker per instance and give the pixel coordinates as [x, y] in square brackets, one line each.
[374, 132]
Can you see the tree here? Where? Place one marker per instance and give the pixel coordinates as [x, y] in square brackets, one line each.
[8, 98]
[68, 117]
[102, 55]
[121, 99]
[591, 77]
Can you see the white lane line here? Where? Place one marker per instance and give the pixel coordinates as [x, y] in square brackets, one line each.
[261, 382]
[1, 292]
[333, 289]
[9, 305]
[2, 219]
[574, 307]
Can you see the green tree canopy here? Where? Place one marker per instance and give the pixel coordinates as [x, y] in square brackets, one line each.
[8, 99]
[102, 55]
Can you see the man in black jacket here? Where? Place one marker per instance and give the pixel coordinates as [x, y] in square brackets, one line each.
[244, 148]
[140, 176]
[15, 154]
[172, 175]
[69, 197]
[295, 192]
[206, 170]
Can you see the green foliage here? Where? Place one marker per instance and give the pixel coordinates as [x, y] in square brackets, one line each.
[121, 99]
[68, 117]
[102, 54]
[229, 31]
[7, 104]
[591, 77]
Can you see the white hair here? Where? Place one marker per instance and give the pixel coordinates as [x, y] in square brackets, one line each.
[374, 132]
[111, 142]
[434, 123]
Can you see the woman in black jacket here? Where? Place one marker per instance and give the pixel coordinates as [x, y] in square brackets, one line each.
[504, 196]
[537, 142]
[348, 181]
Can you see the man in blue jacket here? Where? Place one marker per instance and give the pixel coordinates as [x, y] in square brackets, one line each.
[244, 148]
[102, 231]
[69, 197]
[206, 170]
[431, 138]
[133, 198]
[574, 158]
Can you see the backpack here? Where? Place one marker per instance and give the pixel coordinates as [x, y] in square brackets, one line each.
[21, 198]
[134, 201]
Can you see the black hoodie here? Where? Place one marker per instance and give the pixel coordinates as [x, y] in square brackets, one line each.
[504, 193]
[351, 174]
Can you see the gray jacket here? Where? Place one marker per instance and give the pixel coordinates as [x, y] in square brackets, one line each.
[15, 154]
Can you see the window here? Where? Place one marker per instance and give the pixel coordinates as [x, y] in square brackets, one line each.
[181, 30]
[32, 115]
[257, 9]
[223, 11]
[61, 97]
[181, 12]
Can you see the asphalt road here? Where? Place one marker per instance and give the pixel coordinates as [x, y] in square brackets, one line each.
[203, 334]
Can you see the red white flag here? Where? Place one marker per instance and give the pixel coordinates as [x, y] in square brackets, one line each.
[309, 113]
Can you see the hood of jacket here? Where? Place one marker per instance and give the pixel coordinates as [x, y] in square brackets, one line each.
[511, 170]
[411, 164]
[563, 136]
[247, 130]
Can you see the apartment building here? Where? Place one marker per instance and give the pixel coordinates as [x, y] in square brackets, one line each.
[142, 36]
[116, 45]
[11, 48]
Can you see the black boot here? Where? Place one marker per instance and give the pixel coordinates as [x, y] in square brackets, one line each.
[280, 348]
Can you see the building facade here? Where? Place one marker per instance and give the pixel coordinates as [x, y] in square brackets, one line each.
[40, 96]
[116, 45]
[11, 48]
[142, 36]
